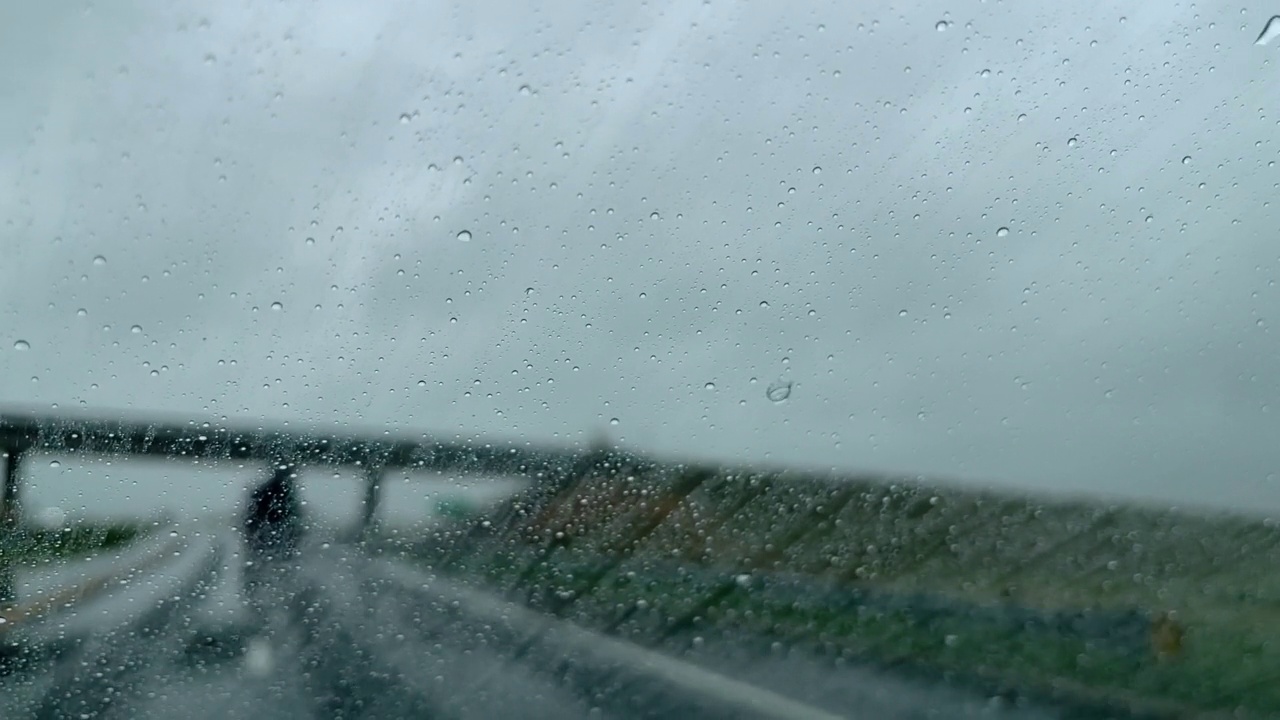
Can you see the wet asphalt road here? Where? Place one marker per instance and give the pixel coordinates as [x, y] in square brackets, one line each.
[343, 635]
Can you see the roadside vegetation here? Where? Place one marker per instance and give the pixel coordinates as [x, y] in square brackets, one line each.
[1158, 610]
[35, 545]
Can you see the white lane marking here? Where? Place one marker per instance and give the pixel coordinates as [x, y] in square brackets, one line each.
[720, 689]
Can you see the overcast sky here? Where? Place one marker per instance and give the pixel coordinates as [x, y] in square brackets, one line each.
[1027, 244]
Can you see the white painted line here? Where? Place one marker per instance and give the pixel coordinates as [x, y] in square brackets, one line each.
[16, 615]
[572, 638]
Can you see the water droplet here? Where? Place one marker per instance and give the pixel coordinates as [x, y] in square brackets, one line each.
[1270, 31]
[817, 170]
[1002, 232]
[55, 464]
[524, 90]
[902, 313]
[613, 421]
[135, 329]
[985, 72]
[1186, 159]
[277, 305]
[81, 312]
[1022, 117]
[1072, 142]
[654, 215]
[311, 241]
[405, 118]
[464, 235]
[22, 345]
[942, 26]
[778, 390]
[710, 386]
[422, 383]
[99, 260]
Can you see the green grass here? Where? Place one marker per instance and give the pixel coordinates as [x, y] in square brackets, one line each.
[1223, 669]
[1216, 572]
[36, 546]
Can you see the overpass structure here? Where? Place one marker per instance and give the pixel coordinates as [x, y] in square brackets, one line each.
[23, 434]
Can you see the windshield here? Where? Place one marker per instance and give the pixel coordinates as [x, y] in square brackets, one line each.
[873, 360]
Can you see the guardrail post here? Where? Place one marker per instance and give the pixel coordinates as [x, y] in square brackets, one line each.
[9, 524]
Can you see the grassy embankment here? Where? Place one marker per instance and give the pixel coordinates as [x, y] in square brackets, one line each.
[929, 579]
[36, 546]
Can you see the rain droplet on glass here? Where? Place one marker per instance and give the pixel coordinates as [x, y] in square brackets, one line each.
[1270, 31]
[778, 390]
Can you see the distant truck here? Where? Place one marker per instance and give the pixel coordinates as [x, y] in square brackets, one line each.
[273, 518]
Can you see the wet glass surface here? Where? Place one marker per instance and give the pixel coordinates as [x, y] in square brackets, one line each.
[658, 360]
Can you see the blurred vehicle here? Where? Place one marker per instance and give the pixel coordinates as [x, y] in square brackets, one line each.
[273, 519]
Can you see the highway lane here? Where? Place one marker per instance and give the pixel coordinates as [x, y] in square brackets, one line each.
[79, 660]
[326, 644]
[343, 635]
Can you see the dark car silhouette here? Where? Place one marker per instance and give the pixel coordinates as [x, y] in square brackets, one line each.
[272, 521]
